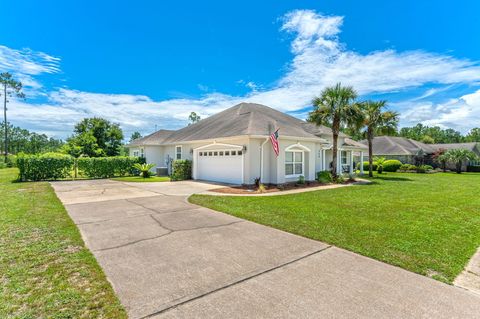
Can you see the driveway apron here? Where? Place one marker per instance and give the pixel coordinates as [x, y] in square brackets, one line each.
[168, 258]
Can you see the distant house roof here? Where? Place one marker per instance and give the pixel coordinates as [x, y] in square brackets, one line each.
[241, 120]
[156, 138]
[394, 145]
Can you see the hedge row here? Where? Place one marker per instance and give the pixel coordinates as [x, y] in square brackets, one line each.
[105, 167]
[53, 166]
[45, 166]
[388, 165]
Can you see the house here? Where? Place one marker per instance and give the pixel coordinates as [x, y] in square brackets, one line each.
[413, 152]
[234, 147]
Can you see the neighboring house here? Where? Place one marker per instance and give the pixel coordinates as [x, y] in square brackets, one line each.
[233, 146]
[413, 152]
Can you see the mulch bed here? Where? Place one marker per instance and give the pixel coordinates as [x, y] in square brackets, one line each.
[269, 188]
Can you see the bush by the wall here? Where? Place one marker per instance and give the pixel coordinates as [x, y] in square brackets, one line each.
[391, 165]
[324, 177]
[48, 166]
[408, 167]
[105, 167]
[472, 168]
[366, 165]
[181, 170]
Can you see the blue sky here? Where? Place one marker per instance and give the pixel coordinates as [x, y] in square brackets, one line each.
[150, 63]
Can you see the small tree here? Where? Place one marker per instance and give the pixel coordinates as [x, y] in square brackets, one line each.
[376, 121]
[144, 169]
[380, 161]
[135, 136]
[194, 118]
[459, 156]
[441, 158]
[11, 87]
[335, 108]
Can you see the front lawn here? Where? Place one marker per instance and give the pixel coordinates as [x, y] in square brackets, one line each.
[45, 269]
[139, 179]
[426, 223]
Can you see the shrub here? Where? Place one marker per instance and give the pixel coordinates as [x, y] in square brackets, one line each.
[144, 169]
[105, 167]
[182, 170]
[10, 162]
[48, 166]
[366, 165]
[408, 167]
[424, 168]
[324, 177]
[391, 165]
[473, 168]
[301, 180]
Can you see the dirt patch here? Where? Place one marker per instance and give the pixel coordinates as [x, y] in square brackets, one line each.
[269, 188]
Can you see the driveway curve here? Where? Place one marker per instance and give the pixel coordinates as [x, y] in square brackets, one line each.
[167, 258]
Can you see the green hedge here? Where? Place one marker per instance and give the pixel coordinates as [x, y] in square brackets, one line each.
[472, 168]
[324, 177]
[366, 165]
[105, 167]
[391, 165]
[181, 170]
[48, 166]
[408, 167]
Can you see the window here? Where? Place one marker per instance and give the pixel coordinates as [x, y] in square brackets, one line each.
[136, 153]
[200, 153]
[215, 153]
[239, 152]
[178, 152]
[227, 153]
[210, 154]
[142, 154]
[234, 152]
[293, 163]
[221, 153]
[344, 158]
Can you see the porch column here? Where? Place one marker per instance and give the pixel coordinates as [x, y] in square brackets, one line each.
[361, 162]
[324, 165]
[351, 162]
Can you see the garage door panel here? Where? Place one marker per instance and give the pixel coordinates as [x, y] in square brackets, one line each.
[220, 167]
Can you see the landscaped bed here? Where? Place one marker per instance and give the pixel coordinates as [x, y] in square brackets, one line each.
[45, 269]
[426, 223]
[253, 190]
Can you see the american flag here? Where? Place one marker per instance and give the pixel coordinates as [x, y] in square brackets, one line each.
[274, 140]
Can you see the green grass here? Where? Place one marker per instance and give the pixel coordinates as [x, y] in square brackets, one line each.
[139, 179]
[426, 223]
[45, 269]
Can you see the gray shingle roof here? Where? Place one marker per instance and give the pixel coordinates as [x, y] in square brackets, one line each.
[247, 119]
[394, 145]
[240, 120]
[156, 138]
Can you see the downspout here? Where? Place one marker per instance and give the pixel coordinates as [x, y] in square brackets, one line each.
[261, 158]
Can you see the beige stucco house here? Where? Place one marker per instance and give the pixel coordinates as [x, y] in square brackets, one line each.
[233, 146]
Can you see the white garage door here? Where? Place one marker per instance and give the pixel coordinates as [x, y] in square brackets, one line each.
[223, 166]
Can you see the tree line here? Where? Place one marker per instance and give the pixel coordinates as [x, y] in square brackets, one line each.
[22, 140]
[426, 134]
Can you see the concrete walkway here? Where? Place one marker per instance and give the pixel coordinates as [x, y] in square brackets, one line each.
[470, 276]
[167, 258]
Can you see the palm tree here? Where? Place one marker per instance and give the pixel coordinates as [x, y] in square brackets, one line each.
[376, 121]
[335, 107]
[10, 87]
[458, 156]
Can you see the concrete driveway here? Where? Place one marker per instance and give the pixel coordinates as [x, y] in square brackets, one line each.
[167, 258]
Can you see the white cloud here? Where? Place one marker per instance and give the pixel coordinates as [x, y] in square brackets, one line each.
[461, 113]
[320, 60]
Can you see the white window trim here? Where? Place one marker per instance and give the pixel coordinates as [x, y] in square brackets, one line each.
[341, 157]
[181, 152]
[303, 162]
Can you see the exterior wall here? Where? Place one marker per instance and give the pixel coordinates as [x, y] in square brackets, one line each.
[273, 166]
